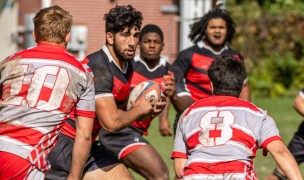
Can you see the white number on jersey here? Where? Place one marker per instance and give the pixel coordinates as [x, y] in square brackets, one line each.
[216, 128]
[38, 81]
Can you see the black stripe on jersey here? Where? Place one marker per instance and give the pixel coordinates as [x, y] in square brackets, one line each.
[199, 87]
[203, 71]
[141, 69]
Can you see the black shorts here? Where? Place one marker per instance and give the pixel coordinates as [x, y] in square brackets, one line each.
[296, 145]
[61, 156]
[122, 142]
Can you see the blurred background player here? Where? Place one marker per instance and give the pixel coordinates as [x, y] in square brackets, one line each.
[41, 86]
[296, 145]
[149, 65]
[127, 144]
[113, 72]
[217, 137]
[211, 34]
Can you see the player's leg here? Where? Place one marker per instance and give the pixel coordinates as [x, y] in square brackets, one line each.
[134, 151]
[146, 161]
[102, 165]
[116, 171]
[15, 167]
[60, 159]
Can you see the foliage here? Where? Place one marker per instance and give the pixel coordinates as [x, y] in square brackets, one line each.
[270, 36]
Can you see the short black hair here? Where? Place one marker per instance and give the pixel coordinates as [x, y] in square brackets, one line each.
[198, 28]
[121, 17]
[227, 75]
[151, 28]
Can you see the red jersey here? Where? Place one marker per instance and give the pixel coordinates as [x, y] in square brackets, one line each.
[40, 87]
[141, 73]
[219, 137]
[190, 70]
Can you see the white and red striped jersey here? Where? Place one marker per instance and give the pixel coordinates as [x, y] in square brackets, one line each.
[40, 87]
[219, 137]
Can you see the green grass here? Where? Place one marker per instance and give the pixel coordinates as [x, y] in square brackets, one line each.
[280, 109]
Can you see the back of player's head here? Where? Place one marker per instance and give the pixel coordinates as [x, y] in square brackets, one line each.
[151, 28]
[198, 28]
[52, 24]
[227, 75]
[121, 17]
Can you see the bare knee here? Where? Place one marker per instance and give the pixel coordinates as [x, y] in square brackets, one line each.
[116, 171]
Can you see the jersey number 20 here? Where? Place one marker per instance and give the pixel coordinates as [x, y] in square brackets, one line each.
[38, 81]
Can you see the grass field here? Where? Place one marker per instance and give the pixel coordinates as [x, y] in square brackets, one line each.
[280, 109]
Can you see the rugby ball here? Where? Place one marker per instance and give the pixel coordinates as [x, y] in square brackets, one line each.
[151, 88]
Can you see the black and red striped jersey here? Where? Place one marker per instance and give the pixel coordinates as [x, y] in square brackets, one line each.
[190, 70]
[141, 73]
[110, 80]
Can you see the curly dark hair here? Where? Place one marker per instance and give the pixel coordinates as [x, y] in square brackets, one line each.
[198, 28]
[227, 75]
[121, 17]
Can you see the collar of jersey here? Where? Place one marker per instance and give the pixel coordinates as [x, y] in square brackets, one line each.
[201, 45]
[51, 45]
[162, 62]
[111, 59]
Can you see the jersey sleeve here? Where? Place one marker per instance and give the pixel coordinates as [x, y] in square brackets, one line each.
[180, 148]
[268, 132]
[180, 68]
[103, 79]
[86, 104]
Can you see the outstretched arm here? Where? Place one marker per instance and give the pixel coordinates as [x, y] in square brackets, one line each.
[298, 104]
[284, 159]
[164, 125]
[82, 146]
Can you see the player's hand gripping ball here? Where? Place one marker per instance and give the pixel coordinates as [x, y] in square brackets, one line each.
[150, 88]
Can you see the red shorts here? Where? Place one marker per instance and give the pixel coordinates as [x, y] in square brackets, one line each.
[15, 167]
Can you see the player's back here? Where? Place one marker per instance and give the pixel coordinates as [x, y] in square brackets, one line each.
[40, 86]
[222, 134]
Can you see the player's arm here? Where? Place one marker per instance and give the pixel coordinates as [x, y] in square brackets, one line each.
[179, 165]
[182, 98]
[298, 103]
[111, 118]
[284, 159]
[164, 125]
[82, 146]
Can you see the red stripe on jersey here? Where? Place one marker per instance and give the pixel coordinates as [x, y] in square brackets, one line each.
[50, 52]
[198, 94]
[201, 61]
[217, 168]
[193, 140]
[70, 131]
[179, 155]
[223, 101]
[26, 135]
[237, 135]
[120, 90]
[129, 150]
[267, 141]
[90, 114]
